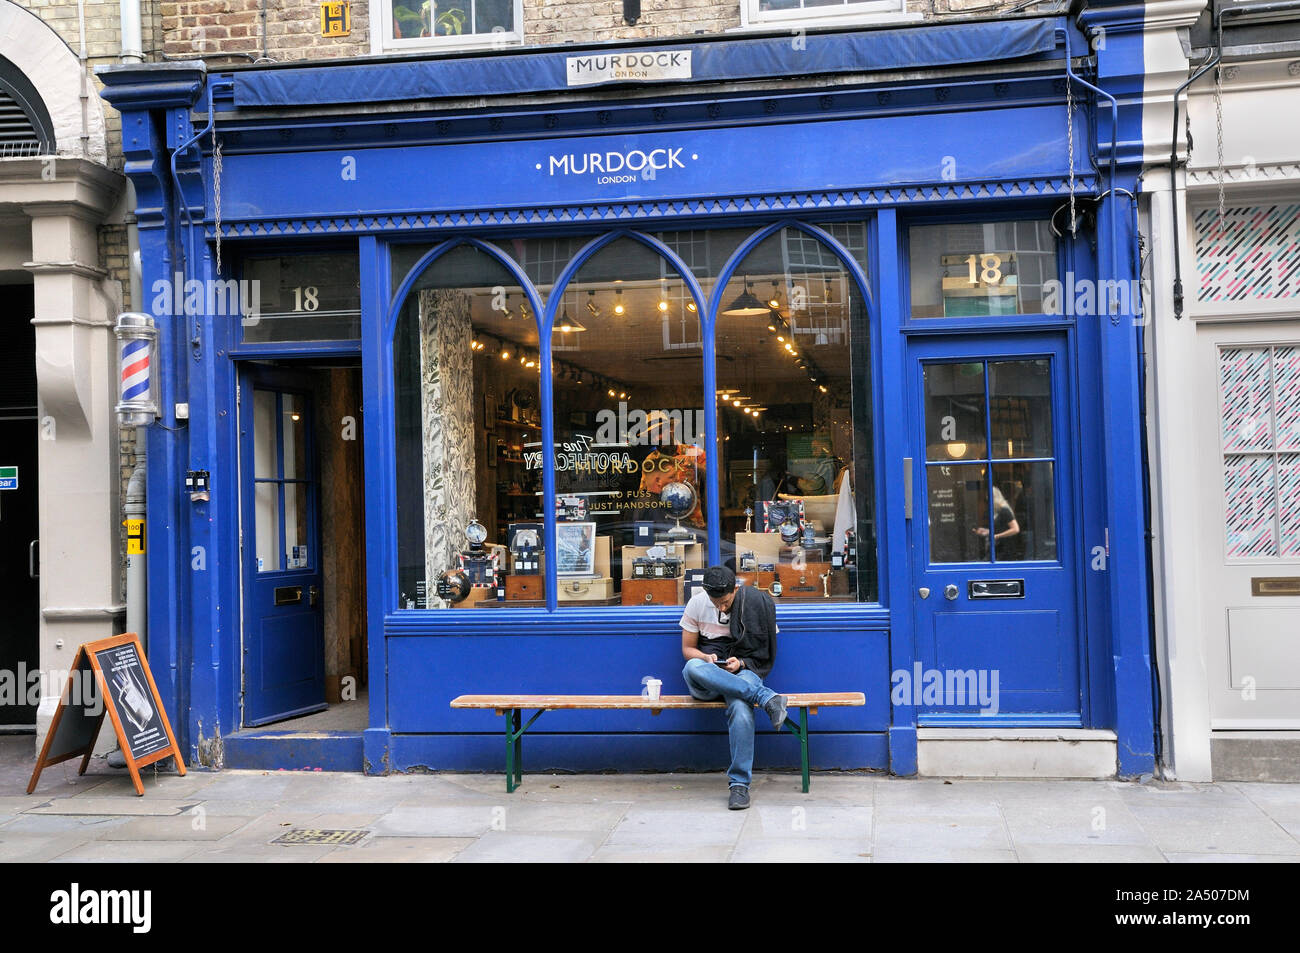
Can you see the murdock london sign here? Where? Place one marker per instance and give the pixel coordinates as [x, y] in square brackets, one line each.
[636, 67]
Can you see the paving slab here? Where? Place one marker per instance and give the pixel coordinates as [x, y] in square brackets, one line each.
[92, 804]
[187, 827]
[945, 831]
[928, 798]
[270, 854]
[139, 852]
[417, 850]
[802, 850]
[941, 855]
[1078, 821]
[37, 848]
[233, 807]
[808, 821]
[246, 785]
[1208, 857]
[1231, 827]
[533, 816]
[1073, 853]
[89, 826]
[460, 821]
[678, 828]
[646, 854]
[521, 848]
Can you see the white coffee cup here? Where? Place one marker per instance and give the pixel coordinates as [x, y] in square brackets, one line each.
[652, 687]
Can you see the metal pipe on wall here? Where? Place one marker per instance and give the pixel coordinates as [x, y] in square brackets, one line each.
[137, 575]
[132, 44]
[84, 93]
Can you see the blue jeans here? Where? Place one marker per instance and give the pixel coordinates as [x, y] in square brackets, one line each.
[742, 691]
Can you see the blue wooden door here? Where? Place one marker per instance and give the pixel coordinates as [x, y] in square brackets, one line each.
[284, 653]
[995, 566]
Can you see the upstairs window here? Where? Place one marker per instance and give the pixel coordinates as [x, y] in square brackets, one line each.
[437, 24]
[758, 12]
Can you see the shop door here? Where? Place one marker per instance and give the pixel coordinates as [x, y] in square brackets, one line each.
[994, 564]
[284, 659]
[1249, 480]
[19, 588]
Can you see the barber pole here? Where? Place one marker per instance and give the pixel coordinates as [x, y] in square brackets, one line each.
[137, 336]
[135, 369]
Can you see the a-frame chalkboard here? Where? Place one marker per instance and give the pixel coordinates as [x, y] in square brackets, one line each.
[111, 675]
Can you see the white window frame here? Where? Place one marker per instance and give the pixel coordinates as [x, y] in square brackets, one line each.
[863, 12]
[383, 41]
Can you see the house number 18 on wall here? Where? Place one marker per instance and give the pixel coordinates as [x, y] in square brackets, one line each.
[990, 269]
[305, 299]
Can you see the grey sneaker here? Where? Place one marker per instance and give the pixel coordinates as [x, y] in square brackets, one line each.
[739, 799]
[775, 709]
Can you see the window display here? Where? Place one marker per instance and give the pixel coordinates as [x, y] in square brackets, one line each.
[628, 411]
[794, 419]
[632, 448]
[466, 370]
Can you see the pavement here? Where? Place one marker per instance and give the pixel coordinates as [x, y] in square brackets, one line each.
[244, 816]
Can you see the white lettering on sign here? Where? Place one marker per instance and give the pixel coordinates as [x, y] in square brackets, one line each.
[580, 163]
[628, 67]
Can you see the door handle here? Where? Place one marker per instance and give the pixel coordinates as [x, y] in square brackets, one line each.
[32, 571]
[907, 488]
[312, 593]
[950, 592]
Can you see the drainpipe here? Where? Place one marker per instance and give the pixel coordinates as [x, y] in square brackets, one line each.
[85, 93]
[137, 563]
[132, 46]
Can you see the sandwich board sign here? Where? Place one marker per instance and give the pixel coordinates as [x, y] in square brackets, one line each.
[110, 676]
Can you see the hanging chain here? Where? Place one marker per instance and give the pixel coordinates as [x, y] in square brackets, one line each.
[216, 194]
[1218, 118]
[1069, 134]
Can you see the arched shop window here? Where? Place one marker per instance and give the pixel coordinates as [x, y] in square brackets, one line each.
[631, 466]
[466, 370]
[638, 367]
[792, 338]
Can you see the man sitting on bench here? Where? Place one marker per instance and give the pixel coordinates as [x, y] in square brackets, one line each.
[729, 643]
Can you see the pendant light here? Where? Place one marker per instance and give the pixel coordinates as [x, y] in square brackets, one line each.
[746, 305]
[567, 325]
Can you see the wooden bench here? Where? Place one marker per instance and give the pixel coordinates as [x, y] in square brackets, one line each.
[512, 706]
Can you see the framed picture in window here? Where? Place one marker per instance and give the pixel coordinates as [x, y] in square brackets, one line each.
[489, 411]
[575, 545]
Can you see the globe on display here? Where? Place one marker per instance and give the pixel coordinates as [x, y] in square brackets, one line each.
[678, 499]
[454, 586]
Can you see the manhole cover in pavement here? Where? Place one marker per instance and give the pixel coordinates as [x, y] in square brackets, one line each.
[305, 835]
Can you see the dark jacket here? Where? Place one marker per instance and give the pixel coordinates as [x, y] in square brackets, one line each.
[753, 627]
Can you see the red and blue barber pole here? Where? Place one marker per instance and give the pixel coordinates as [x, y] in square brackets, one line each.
[137, 338]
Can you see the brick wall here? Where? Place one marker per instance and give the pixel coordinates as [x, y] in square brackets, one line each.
[103, 38]
[212, 28]
[589, 21]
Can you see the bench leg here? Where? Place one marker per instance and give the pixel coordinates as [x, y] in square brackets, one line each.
[509, 714]
[803, 748]
[519, 748]
[800, 728]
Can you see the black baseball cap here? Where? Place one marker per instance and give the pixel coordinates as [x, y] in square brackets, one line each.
[719, 580]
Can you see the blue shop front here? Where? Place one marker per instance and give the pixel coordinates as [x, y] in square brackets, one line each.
[470, 364]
